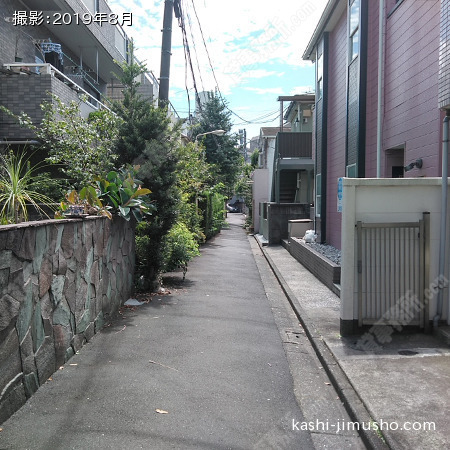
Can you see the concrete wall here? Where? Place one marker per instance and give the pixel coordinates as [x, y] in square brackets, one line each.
[388, 200]
[278, 216]
[60, 281]
[260, 189]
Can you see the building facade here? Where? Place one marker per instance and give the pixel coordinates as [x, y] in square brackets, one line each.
[65, 47]
[382, 79]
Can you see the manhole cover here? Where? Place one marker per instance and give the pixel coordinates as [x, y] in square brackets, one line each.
[407, 352]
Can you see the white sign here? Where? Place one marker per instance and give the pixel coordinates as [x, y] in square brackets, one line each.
[339, 195]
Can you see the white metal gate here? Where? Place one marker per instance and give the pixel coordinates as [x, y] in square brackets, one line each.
[392, 266]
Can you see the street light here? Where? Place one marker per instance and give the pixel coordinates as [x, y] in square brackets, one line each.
[216, 132]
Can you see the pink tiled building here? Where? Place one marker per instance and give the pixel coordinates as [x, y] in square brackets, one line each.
[382, 87]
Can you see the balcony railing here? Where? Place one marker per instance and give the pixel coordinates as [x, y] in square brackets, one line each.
[48, 69]
[293, 145]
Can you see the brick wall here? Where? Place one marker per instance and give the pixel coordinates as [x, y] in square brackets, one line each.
[25, 93]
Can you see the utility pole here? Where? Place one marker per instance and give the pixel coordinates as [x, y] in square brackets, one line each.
[166, 49]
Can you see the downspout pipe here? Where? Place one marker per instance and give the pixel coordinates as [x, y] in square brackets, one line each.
[380, 85]
[442, 241]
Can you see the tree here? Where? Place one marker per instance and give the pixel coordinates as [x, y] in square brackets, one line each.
[82, 147]
[254, 158]
[149, 139]
[221, 152]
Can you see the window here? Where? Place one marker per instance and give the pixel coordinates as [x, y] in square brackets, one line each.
[319, 70]
[353, 29]
[120, 41]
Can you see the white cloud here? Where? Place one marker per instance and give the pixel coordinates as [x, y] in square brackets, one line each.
[246, 41]
[238, 36]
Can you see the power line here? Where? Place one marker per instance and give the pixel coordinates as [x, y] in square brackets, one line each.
[211, 66]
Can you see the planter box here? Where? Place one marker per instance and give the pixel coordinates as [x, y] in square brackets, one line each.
[325, 270]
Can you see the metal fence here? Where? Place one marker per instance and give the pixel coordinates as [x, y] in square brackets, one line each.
[393, 267]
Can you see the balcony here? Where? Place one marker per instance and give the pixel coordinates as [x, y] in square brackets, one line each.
[293, 145]
[293, 168]
[24, 87]
[94, 45]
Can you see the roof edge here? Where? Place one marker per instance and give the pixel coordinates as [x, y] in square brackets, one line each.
[324, 20]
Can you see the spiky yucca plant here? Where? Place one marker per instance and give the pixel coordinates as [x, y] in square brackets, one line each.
[17, 188]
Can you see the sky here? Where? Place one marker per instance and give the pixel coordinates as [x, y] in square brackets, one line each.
[250, 50]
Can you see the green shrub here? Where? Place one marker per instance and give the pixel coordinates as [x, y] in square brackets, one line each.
[180, 247]
[18, 188]
[212, 204]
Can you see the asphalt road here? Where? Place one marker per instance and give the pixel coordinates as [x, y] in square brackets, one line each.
[219, 363]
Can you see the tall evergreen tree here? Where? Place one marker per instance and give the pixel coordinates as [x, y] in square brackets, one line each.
[221, 151]
[148, 139]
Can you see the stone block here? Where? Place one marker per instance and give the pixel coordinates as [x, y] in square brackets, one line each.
[52, 238]
[40, 248]
[62, 338]
[95, 273]
[81, 297]
[77, 342]
[99, 322]
[89, 263]
[46, 306]
[5, 258]
[45, 360]
[98, 239]
[15, 240]
[30, 384]
[16, 285]
[59, 233]
[26, 250]
[37, 328]
[62, 264]
[45, 276]
[83, 323]
[3, 240]
[9, 310]
[67, 241]
[48, 327]
[24, 317]
[11, 401]
[4, 280]
[10, 361]
[69, 353]
[89, 332]
[28, 272]
[26, 350]
[62, 314]
[57, 289]
[55, 263]
[70, 294]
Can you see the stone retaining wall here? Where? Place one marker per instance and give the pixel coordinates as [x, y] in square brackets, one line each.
[60, 282]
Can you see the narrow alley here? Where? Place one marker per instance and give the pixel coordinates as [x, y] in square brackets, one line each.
[207, 366]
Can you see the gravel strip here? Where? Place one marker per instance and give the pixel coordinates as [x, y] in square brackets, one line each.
[330, 252]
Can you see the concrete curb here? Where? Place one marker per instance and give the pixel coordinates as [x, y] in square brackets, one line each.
[352, 401]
